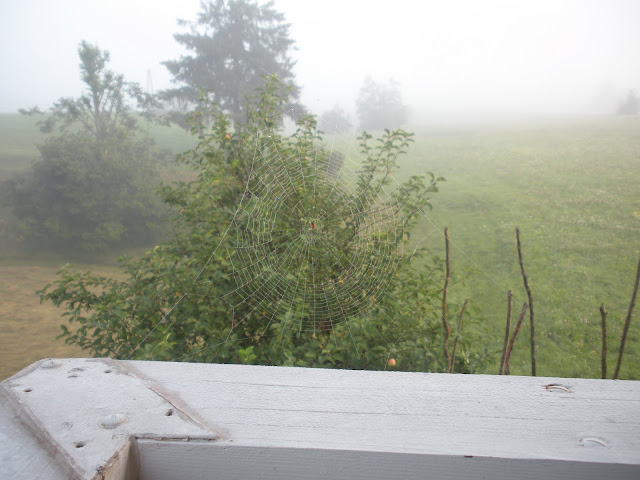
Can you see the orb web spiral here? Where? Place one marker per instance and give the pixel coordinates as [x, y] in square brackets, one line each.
[308, 247]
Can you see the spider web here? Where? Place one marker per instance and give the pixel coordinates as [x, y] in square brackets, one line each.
[284, 222]
[289, 219]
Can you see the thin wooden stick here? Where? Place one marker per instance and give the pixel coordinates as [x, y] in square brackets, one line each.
[627, 321]
[447, 278]
[506, 332]
[603, 362]
[455, 342]
[526, 286]
[513, 339]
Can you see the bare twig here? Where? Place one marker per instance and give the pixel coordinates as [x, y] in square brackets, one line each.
[447, 278]
[513, 339]
[526, 286]
[627, 321]
[603, 363]
[506, 332]
[455, 342]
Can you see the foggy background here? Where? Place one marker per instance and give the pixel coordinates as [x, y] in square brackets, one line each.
[453, 59]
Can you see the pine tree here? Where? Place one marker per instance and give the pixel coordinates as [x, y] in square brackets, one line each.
[233, 45]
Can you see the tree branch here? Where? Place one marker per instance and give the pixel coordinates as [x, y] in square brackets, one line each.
[506, 333]
[455, 342]
[513, 339]
[627, 321]
[526, 286]
[445, 324]
[603, 362]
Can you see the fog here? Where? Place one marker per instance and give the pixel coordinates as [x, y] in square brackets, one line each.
[453, 59]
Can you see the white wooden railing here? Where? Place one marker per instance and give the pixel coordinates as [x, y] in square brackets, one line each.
[105, 419]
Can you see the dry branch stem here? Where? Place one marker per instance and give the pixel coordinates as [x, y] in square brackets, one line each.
[627, 321]
[455, 342]
[513, 339]
[447, 278]
[526, 286]
[506, 333]
[603, 363]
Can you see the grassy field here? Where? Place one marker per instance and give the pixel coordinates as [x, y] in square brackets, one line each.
[573, 189]
[571, 185]
[19, 137]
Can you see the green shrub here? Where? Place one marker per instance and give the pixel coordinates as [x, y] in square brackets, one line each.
[93, 186]
[268, 269]
[74, 196]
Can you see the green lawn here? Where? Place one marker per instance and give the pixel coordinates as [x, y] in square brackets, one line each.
[571, 185]
[20, 135]
[573, 188]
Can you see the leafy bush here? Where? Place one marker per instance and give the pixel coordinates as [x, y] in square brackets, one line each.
[208, 294]
[93, 186]
[76, 197]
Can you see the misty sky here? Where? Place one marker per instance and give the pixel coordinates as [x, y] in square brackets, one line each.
[451, 57]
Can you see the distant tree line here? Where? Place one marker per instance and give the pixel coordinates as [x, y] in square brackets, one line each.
[93, 185]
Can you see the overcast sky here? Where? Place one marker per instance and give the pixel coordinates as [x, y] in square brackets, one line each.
[451, 57]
